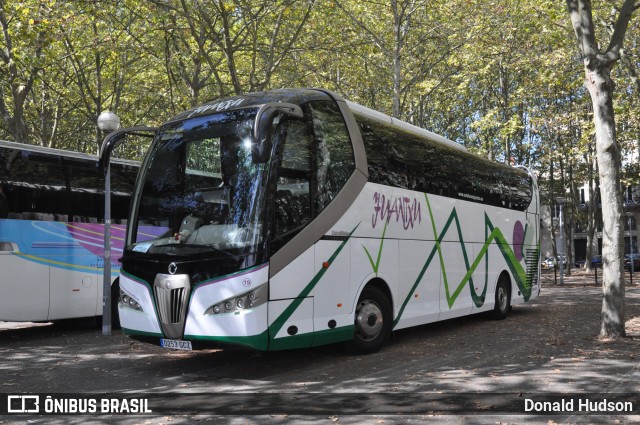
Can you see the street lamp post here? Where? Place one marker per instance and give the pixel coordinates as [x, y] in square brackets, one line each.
[561, 202]
[631, 259]
[107, 123]
[554, 228]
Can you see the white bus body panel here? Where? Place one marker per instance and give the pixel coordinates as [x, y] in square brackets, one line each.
[247, 322]
[424, 306]
[302, 318]
[401, 251]
[290, 282]
[73, 293]
[332, 295]
[25, 289]
[145, 321]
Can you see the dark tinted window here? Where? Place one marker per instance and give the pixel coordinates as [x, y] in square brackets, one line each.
[334, 153]
[51, 186]
[386, 153]
[293, 207]
[400, 158]
[315, 161]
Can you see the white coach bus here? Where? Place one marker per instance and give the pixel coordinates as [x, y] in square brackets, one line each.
[294, 218]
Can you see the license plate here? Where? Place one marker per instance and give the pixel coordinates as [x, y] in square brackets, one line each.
[175, 344]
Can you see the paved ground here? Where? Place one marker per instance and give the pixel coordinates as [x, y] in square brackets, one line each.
[545, 347]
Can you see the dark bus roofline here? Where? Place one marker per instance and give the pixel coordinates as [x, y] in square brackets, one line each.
[60, 152]
[248, 100]
[298, 96]
[387, 119]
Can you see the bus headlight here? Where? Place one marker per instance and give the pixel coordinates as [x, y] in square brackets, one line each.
[248, 300]
[126, 300]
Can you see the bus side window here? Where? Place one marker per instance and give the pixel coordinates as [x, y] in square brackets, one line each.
[4, 203]
[314, 165]
[386, 153]
[293, 199]
[334, 154]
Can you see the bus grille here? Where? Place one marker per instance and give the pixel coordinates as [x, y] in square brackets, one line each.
[531, 261]
[172, 294]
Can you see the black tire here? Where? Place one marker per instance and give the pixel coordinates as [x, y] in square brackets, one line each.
[503, 299]
[373, 321]
[115, 298]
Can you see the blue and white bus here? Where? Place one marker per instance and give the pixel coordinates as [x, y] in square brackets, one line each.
[293, 218]
[52, 232]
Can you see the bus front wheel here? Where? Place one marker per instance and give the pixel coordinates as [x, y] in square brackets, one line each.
[372, 321]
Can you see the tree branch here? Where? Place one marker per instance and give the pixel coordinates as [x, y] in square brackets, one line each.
[582, 21]
[620, 29]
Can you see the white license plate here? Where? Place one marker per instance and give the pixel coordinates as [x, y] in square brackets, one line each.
[175, 344]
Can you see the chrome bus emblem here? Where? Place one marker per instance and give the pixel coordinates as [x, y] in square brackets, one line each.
[173, 268]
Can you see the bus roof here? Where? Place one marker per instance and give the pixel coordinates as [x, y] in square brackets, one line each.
[300, 95]
[402, 124]
[60, 152]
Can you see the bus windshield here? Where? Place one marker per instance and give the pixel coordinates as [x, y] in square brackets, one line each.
[202, 187]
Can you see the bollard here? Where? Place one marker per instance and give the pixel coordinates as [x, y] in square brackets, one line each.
[595, 269]
[555, 275]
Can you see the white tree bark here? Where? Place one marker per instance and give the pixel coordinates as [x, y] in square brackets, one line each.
[601, 87]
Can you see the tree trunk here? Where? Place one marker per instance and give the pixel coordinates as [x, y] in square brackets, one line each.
[552, 206]
[591, 213]
[598, 66]
[600, 86]
[397, 59]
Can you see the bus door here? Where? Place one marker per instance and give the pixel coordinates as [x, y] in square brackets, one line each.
[315, 159]
[74, 273]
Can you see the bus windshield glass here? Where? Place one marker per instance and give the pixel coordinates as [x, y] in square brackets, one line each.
[202, 188]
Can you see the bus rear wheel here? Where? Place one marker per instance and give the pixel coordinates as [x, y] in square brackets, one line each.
[372, 321]
[503, 299]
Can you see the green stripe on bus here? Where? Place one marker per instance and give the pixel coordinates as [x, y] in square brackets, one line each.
[330, 336]
[258, 342]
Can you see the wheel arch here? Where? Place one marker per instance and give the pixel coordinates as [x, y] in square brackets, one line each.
[382, 285]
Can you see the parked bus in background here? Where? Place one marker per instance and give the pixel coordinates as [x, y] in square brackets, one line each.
[51, 231]
[293, 218]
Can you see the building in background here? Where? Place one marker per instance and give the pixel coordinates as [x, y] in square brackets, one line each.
[576, 220]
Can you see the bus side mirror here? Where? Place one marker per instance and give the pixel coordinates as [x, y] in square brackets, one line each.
[116, 137]
[261, 146]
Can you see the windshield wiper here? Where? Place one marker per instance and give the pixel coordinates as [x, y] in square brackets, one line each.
[196, 247]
